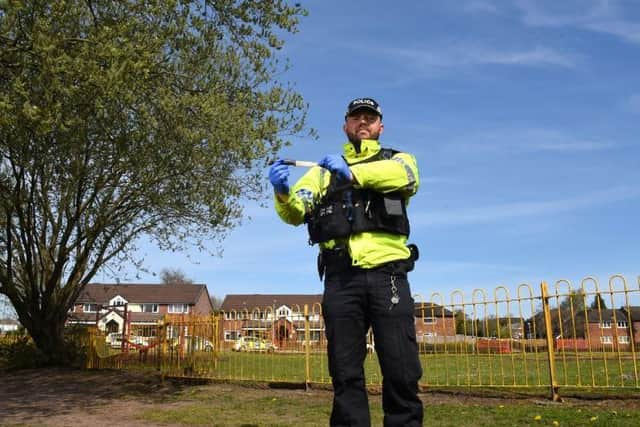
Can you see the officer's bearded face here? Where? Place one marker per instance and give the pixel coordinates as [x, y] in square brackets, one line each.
[363, 124]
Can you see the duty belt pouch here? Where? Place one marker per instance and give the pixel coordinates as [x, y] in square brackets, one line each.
[333, 261]
[405, 265]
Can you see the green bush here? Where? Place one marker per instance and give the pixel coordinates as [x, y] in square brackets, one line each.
[77, 342]
[18, 351]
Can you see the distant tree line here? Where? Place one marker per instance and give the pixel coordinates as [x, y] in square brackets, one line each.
[568, 320]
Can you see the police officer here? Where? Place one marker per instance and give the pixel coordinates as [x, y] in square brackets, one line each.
[354, 206]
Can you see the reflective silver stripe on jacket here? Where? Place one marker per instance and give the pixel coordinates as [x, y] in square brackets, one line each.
[410, 175]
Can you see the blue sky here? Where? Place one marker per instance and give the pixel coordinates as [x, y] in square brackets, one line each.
[524, 117]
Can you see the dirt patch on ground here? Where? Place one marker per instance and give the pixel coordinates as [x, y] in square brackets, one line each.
[59, 397]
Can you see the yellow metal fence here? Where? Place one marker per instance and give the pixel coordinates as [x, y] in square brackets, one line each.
[547, 337]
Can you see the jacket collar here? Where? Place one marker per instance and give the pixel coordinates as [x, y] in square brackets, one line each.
[368, 148]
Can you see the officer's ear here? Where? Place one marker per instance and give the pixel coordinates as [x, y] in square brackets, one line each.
[381, 128]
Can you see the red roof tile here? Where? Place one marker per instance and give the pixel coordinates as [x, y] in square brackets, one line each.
[138, 293]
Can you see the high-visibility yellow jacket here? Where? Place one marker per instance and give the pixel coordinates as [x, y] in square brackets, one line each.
[400, 173]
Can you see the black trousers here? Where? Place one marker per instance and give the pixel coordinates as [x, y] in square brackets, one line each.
[355, 299]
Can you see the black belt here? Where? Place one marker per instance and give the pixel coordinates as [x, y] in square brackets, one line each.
[337, 260]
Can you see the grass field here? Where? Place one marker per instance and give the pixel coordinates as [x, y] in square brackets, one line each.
[517, 370]
[222, 405]
[127, 398]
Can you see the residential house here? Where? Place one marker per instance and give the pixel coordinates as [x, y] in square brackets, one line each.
[139, 306]
[281, 319]
[633, 314]
[434, 323]
[611, 328]
[8, 325]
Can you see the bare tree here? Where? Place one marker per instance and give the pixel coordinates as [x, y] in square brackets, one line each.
[216, 302]
[174, 276]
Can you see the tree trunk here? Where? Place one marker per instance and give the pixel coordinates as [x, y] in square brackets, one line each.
[47, 332]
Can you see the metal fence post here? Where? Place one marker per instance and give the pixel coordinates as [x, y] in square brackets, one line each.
[307, 349]
[216, 342]
[549, 335]
[92, 356]
[164, 348]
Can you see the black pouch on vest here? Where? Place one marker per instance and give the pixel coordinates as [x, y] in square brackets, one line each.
[393, 207]
[384, 212]
[329, 221]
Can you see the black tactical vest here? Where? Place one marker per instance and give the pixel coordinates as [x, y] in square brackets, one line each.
[345, 210]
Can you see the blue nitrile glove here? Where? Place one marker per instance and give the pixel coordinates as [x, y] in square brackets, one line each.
[278, 174]
[336, 164]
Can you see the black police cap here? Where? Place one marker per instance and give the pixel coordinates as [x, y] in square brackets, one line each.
[366, 103]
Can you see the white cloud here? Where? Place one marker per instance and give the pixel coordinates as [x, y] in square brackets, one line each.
[538, 56]
[479, 6]
[500, 212]
[603, 16]
[463, 54]
[526, 141]
[626, 30]
[633, 103]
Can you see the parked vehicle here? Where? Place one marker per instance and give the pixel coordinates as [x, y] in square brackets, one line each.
[190, 344]
[138, 340]
[253, 344]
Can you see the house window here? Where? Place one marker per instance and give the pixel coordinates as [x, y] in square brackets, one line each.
[605, 324]
[313, 336]
[230, 315]
[118, 301]
[178, 308]
[623, 339]
[622, 324]
[149, 308]
[429, 320]
[606, 339]
[172, 332]
[90, 308]
[231, 335]
[283, 312]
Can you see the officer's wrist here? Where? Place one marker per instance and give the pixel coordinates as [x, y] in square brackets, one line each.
[282, 198]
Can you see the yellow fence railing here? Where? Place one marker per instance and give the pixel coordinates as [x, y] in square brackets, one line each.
[547, 337]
